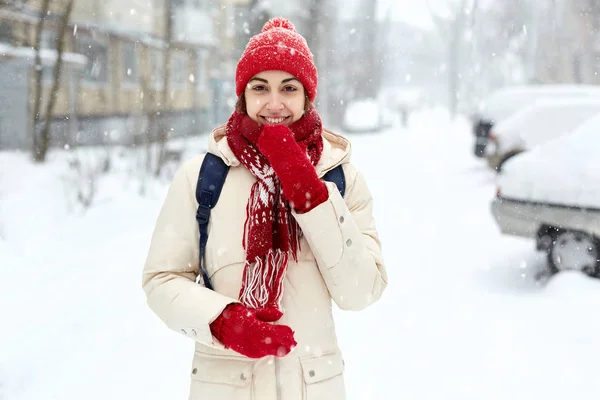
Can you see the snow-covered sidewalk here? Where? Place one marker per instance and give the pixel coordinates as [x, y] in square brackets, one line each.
[462, 316]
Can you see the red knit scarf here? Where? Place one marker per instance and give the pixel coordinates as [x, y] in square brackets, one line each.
[271, 234]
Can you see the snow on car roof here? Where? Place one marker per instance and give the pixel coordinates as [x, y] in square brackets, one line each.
[543, 120]
[565, 170]
[504, 102]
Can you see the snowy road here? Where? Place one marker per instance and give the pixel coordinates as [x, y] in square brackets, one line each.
[462, 316]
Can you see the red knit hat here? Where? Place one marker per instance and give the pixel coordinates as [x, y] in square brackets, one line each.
[277, 47]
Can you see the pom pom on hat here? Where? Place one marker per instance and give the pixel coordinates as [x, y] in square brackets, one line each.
[278, 22]
[277, 47]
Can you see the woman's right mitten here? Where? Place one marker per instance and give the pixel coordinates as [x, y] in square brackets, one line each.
[238, 328]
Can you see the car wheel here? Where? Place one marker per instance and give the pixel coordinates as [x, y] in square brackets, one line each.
[573, 250]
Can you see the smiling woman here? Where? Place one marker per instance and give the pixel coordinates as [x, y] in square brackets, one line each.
[283, 243]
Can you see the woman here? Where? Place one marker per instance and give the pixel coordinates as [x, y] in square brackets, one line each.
[282, 243]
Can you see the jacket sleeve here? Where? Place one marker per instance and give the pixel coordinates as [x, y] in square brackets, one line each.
[171, 268]
[345, 243]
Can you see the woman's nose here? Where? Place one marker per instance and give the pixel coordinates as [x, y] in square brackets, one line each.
[275, 101]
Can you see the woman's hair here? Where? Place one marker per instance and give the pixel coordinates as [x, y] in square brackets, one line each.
[240, 105]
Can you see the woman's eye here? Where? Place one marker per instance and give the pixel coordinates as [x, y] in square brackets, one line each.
[290, 89]
[259, 88]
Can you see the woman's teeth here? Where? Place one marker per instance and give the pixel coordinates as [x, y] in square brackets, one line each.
[275, 120]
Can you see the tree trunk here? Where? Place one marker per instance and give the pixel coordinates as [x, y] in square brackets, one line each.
[163, 130]
[453, 67]
[372, 70]
[45, 131]
[37, 78]
[454, 59]
[317, 42]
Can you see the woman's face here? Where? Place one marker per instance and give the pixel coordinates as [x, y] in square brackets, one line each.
[274, 97]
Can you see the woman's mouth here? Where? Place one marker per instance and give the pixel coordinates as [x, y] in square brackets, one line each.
[273, 120]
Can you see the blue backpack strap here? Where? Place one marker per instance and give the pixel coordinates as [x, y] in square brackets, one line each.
[337, 176]
[210, 182]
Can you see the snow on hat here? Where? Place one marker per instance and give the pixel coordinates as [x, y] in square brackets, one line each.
[277, 47]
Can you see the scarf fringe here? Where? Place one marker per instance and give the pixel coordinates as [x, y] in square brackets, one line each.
[262, 284]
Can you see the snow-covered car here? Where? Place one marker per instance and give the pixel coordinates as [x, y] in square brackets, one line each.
[552, 194]
[366, 115]
[535, 124]
[503, 103]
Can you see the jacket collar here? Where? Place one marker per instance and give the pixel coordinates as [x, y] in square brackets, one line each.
[336, 150]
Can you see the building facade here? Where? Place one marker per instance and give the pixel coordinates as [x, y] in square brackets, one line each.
[118, 84]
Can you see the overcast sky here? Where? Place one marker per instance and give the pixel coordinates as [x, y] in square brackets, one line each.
[415, 12]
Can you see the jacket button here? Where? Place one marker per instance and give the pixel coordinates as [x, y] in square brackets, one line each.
[184, 332]
[342, 219]
[243, 376]
[311, 373]
[194, 332]
[349, 242]
[194, 371]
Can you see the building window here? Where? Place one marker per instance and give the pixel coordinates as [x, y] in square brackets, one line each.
[158, 68]
[179, 69]
[96, 69]
[131, 72]
[48, 39]
[6, 32]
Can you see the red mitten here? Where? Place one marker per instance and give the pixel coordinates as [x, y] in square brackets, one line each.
[269, 314]
[238, 329]
[301, 185]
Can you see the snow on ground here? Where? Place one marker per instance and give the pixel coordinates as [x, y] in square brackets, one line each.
[462, 317]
